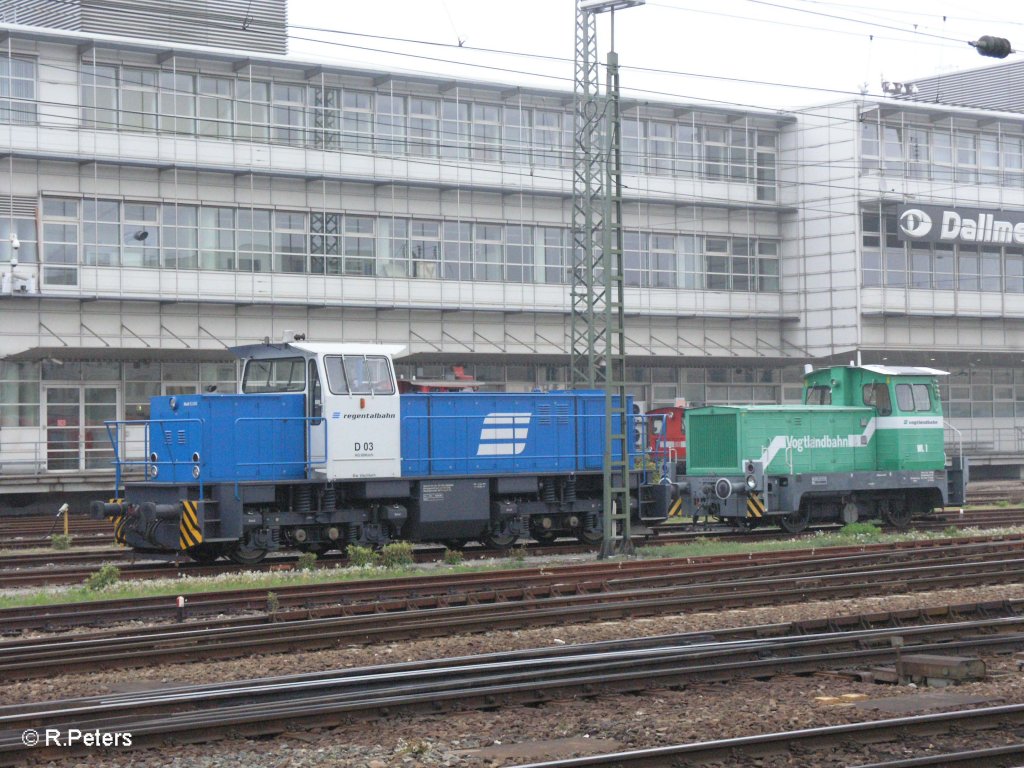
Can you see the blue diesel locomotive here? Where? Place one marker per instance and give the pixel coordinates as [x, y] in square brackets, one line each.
[319, 450]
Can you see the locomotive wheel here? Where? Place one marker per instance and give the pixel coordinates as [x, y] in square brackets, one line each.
[455, 545]
[795, 522]
[204, 554]
[895, 513]
[246, 555]
[591, 537]
[744, 524]
[499, 537]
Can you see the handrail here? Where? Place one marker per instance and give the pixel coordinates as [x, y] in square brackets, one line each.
[146, 462]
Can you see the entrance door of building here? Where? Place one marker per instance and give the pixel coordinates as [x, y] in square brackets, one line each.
[76, 438]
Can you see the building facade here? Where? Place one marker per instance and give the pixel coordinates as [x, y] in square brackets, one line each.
[170, 200]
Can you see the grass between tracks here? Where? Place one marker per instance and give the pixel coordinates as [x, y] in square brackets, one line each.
[851, 535]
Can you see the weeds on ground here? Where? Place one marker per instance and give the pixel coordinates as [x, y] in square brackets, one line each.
[61, 541]
[452, 557]
[306, 562]
[107, 576]
[398, 554]
[361, 557]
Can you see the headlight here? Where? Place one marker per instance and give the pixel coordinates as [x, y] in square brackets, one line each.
[153, 457]
[195, 471]
[153, 470]
[751, 482]
[195, 457]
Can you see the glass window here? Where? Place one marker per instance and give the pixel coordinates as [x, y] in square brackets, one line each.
[357, 121]
[455, 130]
[458, 262]
[138, 99]
[252, 110]
[991, 270]
[488, 252]
[516, 138]
[687, 149]
[290, 242]
[17, 90]
[215, 107]
[519, 257]
[283, 375]
[944, 269]
[177, 103]
[25, 229]
[877, 395]
[325, 243]
[689, 260]
[547, 145]
[326, 117]
[254, 240]
[423, 127]
[659, 147]
[217, 238]
[819, 395]
[179, 236]
[968, 268]
[99, 96]
[922, 397]
[101, 232]
[60, 241]
[141, 235]
[390, 131]
[392, 247]
[904, 397]
[486, 132]
[556, 254]
[632, 158]
[358, 245]
[662, 256]
[425, 248]
[288, 115]
[633, 259]
[359, 375]
[966, 157]
[942, 155]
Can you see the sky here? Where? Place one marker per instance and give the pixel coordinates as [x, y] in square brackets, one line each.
[802, 52]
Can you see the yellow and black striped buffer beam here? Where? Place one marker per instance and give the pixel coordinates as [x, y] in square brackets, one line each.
[677, 508]
[118, 520]
[755, 507]
[190, 534]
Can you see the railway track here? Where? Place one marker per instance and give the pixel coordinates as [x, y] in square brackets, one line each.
[272, 705]
[858, 736]
[365, 613]
[308, 599]
[56, 568]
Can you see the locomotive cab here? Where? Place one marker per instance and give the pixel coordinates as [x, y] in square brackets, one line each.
[351, 403]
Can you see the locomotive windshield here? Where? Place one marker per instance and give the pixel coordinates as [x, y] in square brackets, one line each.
[913, 397]
[359, 375]
[282, 375]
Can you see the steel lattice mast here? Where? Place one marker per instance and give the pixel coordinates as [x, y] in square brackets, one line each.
[598, 348]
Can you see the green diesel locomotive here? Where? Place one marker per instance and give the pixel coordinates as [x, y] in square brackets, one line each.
[868, 442]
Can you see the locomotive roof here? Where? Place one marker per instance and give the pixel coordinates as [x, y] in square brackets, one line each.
[891, 370]
[903, 370]
[288, 349]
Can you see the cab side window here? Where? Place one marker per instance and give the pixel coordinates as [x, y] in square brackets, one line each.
[819, 395]
[877, 396]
